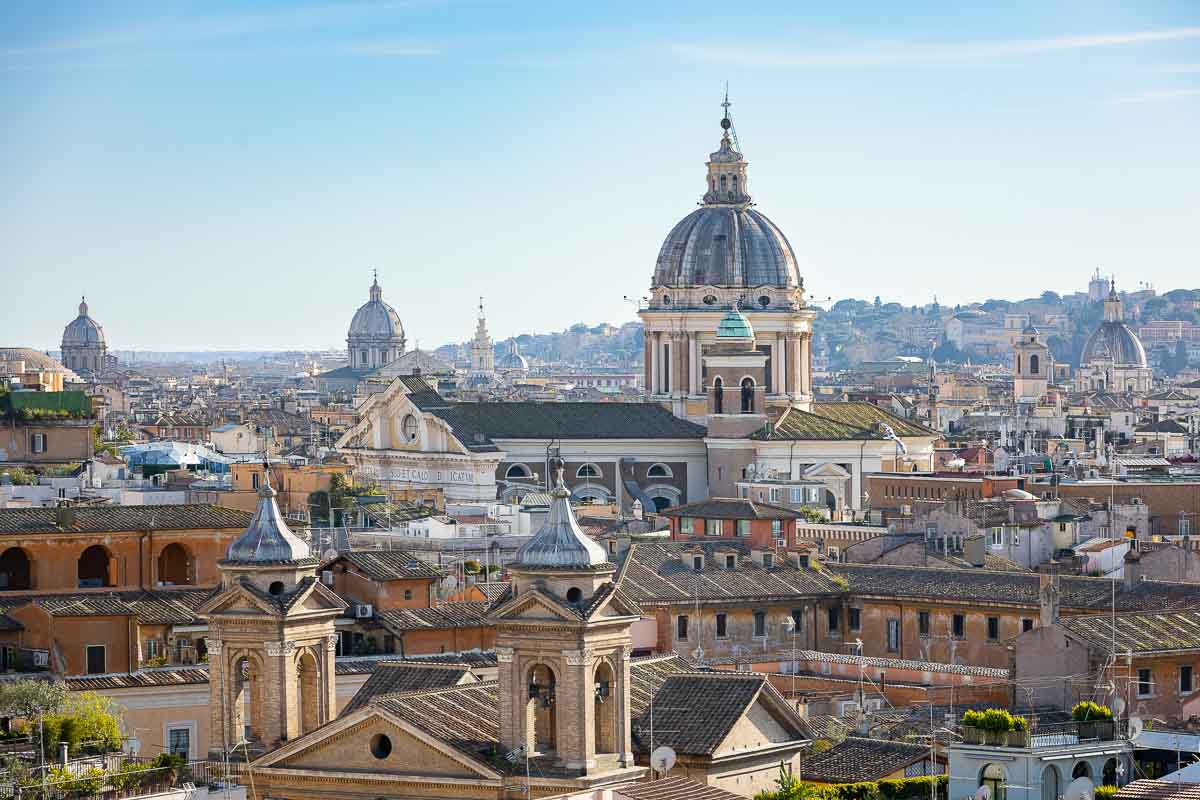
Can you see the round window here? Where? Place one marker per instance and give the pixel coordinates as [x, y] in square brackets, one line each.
[276, 587]
[764, 301]
[710, 299]
[574, 594]
[381, 746]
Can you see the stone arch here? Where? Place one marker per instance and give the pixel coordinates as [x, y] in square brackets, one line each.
[1082, 769]
[541, 718]
[518, 472]
[995, 777]
[659, 470]
[747, 395]
[16, 569]
[718, 395]
[605, 716]
[176, 567]
[245, 697]
[95, 567]
[1050, 783]
[1109, 775]
[308, 675]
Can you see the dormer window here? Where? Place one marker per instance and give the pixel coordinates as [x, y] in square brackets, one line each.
[768, 560]
[698, 563]
[730, 562]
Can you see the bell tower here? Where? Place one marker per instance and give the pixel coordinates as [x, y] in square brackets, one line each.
[270, 639]
[1032, 366]
[563, 642]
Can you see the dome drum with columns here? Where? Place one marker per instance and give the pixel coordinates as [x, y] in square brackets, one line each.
[726, 255]
[84, 348]
[1113, 358]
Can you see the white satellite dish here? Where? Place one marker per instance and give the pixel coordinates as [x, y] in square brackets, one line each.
[1118, 706]
[662, 759]
[1079, 789]
[329, 555]
[1136, 726]
[983, 793]
[450, 583]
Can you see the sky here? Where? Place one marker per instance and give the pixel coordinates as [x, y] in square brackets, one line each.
[217, 175]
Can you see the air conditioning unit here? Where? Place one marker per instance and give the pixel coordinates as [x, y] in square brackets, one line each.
[1135, 501]
[848, 708]
[41, 658]
[363, 611]
[327, 577]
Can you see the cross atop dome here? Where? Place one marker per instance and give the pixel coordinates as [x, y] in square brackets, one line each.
[83, 308]
[727, 167]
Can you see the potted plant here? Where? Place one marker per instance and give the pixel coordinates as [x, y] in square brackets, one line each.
[1018, 735]
[1095, 721]
[972, 727]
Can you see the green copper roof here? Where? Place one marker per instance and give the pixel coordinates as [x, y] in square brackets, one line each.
[734, 326]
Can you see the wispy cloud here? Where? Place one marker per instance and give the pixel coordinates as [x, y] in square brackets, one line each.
[885, 53]
[392, 49]
[174, 31]
[1158, 96]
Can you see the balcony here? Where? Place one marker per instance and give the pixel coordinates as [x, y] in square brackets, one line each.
[1043, 735]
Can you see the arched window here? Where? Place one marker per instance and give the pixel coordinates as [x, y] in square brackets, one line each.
[1018, 363]
[309, 675]
[175, 566]
[605, 715]
[1082, 770]
[722, 183]
[718, 396]
[15, 569]
[993, 777]
[747, 396]
[659, 471]
[1109, 776]
[517, 471]
[542, 735]
[362, 357]
[1050, 783]
[1034, 364]
[588, 471]
[93, 568]
[735, 184]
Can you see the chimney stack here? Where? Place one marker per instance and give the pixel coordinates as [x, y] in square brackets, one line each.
[1133, 569]
[1048, 594]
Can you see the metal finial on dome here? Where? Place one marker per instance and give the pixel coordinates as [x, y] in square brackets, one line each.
[726, 122]
[83, 307]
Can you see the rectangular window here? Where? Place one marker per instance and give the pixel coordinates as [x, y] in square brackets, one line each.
[698, 563]
[1185, 526]
[687, 525]
[776, 528]
[997, 535]
[893, 635]
[797, 495]
[923, 623]
[1185, 679]
[835, 620]
[854, 618]
[730, 562]
[254, 480]
[721, 629]
[1145, 684]
[96, 663]
[743, 527]
[712, 527]
[958, 626]
[774, 494]
[797, 620]
[1026, 625]
[681, 626]
[37, 442]
[760, 624]
[993, 628]
[744, 492]
[768, 560]
[179, 742]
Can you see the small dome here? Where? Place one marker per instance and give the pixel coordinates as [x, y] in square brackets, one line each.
[375, 319]
[512, 359]
[735, 327]
[268, 539]
[1114, 341]
[1030, 330]
[83, 330]
[560, 543]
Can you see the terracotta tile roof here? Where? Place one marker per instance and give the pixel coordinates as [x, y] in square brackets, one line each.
[365, 665]
[654, 573]
[152, 607]
[731, 508]
[840, 421]
[89, 519]
[157, 676]
[1013, 588]
[675, 787]
[389, 565]
[1158, 790]
[392, 677]
[853, 760]
[1141, 633]
[465, 717]
[471, 614]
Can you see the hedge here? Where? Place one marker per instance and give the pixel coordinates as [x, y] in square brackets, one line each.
[893, 789]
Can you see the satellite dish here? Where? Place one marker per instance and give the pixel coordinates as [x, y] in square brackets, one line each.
[1079, 789]
[1136, 726]
[1118, 706]
[662, 759]
[450, 583]
[983, 792]
[329, 555]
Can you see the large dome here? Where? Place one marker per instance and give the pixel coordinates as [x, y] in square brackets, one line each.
[726, 245]
[36, 360]
[83, 330]
[1114, 341]
[375, 319]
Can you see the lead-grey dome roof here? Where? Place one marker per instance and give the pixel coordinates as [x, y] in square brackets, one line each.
[83, 330]
[268, 538]
[726, 245]
[375, 319]
[512, 358]
[1114, 341]
[560, 543]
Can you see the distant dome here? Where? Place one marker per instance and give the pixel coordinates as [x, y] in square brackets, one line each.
[268, 538]
[735, 327]
[726, 242]
[1114, 341]
[375, 319]
[83, 330]
[512, 360]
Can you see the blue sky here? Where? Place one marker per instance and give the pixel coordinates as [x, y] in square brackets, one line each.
[221, 175]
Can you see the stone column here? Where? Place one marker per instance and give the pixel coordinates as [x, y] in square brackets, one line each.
[654, 349]
[512, 700]
[795, 362]
[777, 357]
[693, 365]
[625, 737]
[329, 678]
[280, 694]
[218, 697]
[577, 716]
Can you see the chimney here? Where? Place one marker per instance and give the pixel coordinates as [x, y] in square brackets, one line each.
[974, 550]
[64, 517]
[1133, 569]
[1048, 594]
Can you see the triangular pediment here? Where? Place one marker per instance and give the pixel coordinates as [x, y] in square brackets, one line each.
[237, 599]
[765, 722]
[355, 743]
[826, 470]
[534, 606]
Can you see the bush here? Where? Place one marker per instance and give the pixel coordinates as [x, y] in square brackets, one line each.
[789, 788]
[1105, 792]
[994, 720]
[1087, 711]
[86, 784]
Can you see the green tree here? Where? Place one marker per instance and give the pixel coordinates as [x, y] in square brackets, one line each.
[22, 477]
[86, 721]
[788, 787]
